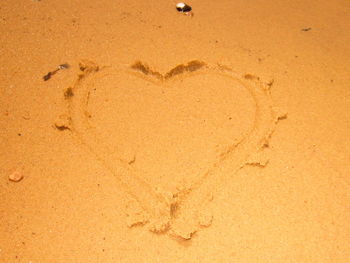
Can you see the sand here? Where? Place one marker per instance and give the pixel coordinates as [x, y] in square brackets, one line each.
[133, 133]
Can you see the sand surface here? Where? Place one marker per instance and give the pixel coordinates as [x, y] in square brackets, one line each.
[217, 137]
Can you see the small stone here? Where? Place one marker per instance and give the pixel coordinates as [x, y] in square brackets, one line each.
[16, 176]
[184, 8]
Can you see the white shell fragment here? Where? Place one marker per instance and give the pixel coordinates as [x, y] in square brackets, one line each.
[184, 8]
[180, 5]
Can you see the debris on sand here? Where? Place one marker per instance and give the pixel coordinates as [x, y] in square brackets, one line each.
[16, 176]
[184, 8]
[306, 29]
[51, 73]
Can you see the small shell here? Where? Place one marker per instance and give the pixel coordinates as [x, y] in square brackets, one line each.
[16, 176]
[184, 8]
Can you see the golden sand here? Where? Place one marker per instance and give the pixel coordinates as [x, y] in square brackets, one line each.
[131, 132]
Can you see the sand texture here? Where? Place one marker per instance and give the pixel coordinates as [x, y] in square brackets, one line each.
[131, 132]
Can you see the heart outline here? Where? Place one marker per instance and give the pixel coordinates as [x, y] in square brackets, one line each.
[174, 212]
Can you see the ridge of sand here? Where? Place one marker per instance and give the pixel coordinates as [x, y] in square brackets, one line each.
[183, 213]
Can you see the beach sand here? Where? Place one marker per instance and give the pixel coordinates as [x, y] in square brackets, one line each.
[131, 132]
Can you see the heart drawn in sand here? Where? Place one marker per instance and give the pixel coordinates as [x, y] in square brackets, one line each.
[187, 131]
